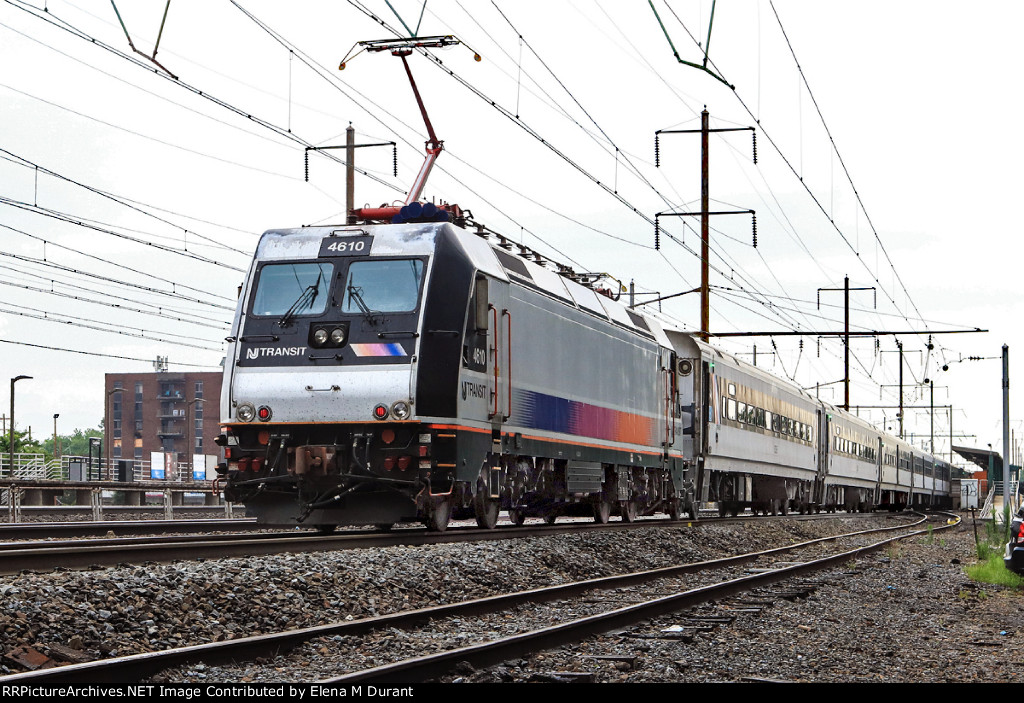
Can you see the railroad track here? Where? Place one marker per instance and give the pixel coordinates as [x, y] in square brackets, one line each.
[52, 530]
[17, 556]
[606, 604]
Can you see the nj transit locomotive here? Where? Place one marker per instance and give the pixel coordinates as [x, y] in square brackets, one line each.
[385, 373]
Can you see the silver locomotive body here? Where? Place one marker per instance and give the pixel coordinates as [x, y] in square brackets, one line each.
[409, 372]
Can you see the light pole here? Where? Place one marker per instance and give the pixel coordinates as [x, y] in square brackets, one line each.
[1006, 434]
[56, 449]
[14, 380]
[189, 431]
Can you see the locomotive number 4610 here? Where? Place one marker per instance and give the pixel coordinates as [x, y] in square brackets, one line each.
[346, 246]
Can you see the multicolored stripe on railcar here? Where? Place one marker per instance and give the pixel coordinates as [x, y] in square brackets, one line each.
[393, 349]
[548, 412]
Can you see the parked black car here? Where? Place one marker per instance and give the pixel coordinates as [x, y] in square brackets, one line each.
[1013, 558]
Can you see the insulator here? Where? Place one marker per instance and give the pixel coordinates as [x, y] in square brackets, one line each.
[754, 134]
[657, 152]
[394, 160]
[819, 347]
[801, 344]
[657, 233]
[307, 165]
[755, 228]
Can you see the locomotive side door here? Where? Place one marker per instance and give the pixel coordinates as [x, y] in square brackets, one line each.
[499, 356]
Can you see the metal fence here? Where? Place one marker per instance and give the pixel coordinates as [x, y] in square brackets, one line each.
[83, 468]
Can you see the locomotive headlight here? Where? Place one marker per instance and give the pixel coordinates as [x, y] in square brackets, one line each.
[338, 335]
[245, 412]
[401, 410]
[319, 336]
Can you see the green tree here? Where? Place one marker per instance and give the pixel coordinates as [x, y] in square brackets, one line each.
[75, 444]
[22, 444]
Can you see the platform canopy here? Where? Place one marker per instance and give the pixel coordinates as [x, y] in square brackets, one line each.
[985, 458]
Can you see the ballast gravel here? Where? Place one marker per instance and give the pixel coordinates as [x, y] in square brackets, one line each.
[905, 614]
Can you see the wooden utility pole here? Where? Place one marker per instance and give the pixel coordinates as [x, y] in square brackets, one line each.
[350, 147]
[350, 173]
[899, 345]
[846, 334]
[705, 212]
[705, 217]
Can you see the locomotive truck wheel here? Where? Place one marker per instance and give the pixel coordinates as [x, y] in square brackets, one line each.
[628, 510]
[326, 529]
[384, 526]
[440, 513]
[517, 516]
[602, 511]
[486, 509]
[675, 509]
[691, 510]
[549, 518]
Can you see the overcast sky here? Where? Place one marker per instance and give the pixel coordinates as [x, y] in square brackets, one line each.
[165, 184]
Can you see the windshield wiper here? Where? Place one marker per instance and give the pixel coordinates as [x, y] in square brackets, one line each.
[356, 294]
[305, 300]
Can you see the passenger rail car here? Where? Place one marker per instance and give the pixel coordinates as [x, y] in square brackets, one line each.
[387, 373]
[762, 443]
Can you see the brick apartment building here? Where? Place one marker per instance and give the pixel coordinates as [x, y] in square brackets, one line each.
[161, 412]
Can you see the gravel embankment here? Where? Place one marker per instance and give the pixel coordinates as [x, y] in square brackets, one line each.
[854, 627]
[908, 614]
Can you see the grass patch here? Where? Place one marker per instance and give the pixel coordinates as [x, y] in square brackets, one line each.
[991, 570]
[990, 567]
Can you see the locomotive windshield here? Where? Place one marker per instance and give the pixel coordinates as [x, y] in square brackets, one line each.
[292, 289]
[390, 285]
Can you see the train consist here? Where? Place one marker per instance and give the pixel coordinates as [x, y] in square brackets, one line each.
[419, 371]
